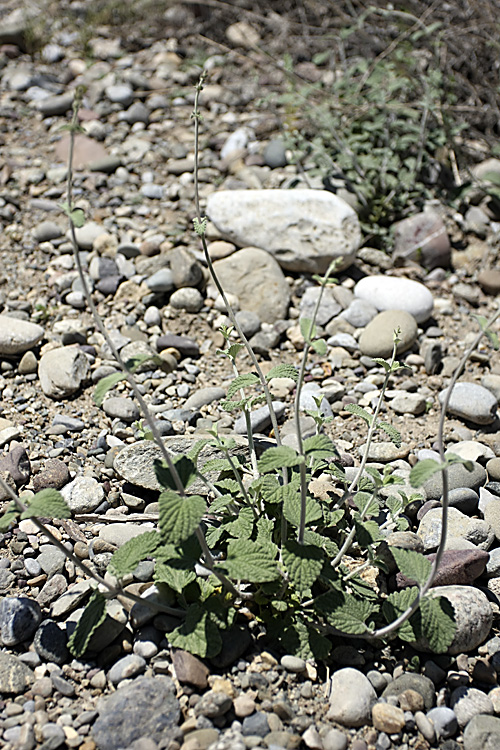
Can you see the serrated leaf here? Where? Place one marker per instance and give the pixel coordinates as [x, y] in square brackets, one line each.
[93, 615]
[269, 488]
[345, 612]
[394, 606]
[318, 540]
[438, 623]
[276, 458]
[283, 371]
[367, 532]
[242, 527]
[197, 448]
[304, 641]
[386, 365]
[307, 329]
[265, 528]
[233, 350]
[198, 634]
[452, 458]
[77, 217]
[105, 385]
[242, 381]
[229, 405]
[10, 516]
[366, 503]
[129, 555]
[358, 411]
[48, 503]
[391, 431]
[250, 561]
[291, 507]
[423, 470]
[412, 564]
[220, 504]
[179, 516]
[213, 534]
[320, 446]
[230, 486]
[175, 577]
[216, 464]
[303, 563]
[186, 470]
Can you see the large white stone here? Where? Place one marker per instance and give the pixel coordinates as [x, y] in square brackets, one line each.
[351, 698]
[62, 371]
[303, 229]
[17, 336]
[393, 293]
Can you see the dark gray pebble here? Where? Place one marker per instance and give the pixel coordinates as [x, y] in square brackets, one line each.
[50, 642]
[19, 619]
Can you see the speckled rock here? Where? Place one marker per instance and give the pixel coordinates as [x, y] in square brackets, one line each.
[458, 477]
[19, 619]
[412, 681]
[467, 702]
[460, 526]
[482, 733]
[15, 676]
[83, 494]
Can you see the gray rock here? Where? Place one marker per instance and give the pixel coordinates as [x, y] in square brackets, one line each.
[408, 403]
[137, 112]
[50, 642]
[70, 599]
[467, 702]
[120, 93]
[52, 106]
[492, 516]
[345, 340]
[126, 667]
[17, 336]
[249, 322]
[359, 313]
[19, 619]
[186, 346]
[188, 299]
[412, 681]
[482, 733]
[472, 402]
[62, 371]
[204, 396]
[47, 231]
[119, 533]
[15, 676]
[260, 418]
[213, 704]
[152, 190]
[86, 235]
[327, 310]
[491, 381]
[186, 271]
[189, 669]
[256, 724]
[303, 229]
[147, 707]
[51, 559]
[393, 293]
[422, 238]
[351, 698]
[459, 526]
[121, 408]
[309, 392]
[161, 281]
[275, 154]
[83, 494]
[377, 339]
[458, 477]
[335, 740]
[444, 721]
[293, 663]
[473, 617]
[257, 281]
[463, 499]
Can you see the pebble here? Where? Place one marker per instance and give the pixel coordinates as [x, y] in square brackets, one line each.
[391, 293]
[83, 494]
[460, 526]
[188, 299]
[19, 619]
[458, 478]
[15, 676]
[125, 668]
[482, 733]
[472, 402]
[121, 408]
[16, 336]
[410, 681]
[259, 418]
[335, 740]
[377, 339]
[467, 702]
[50, 642]
[62, 371]
[444, 721]
[351, 698]
[293, 663]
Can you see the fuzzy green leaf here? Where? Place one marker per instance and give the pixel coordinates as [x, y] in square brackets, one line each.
[130, 554]
[307, 329]
[412, 564]
[320, 347]
[242, 381]
[10, 516]
[274, 459]
[250, 561]
[179, 516]
[270, 488]
[198, 634]
[186, 470]
[345, 612]
[105, 385]
[394, 606]
[197, 448]
[216, 464]
[438, 623]
[174, 576]
[303, 563]
[242, 527]
[383, 363]
[48, 503]
[283, 371]
[358, 411]
[423, 471]
[391, 431]
[318, 540]
[367, 533]
[291, 507]
[265, 528]
[320, 446]
[93, 615]
[367, 504]
[77, 217]
[304, 641]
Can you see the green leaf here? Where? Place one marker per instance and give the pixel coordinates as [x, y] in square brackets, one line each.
[93, 615]
[250, 561]
[493, 177]
[77, 217]
[186, 470]
[438, 622]
[320, 446]
[367, 532]
[452, 458]
[366, 503]
[320, 347]
[345, 612]
[423, 470]
[270, 488]
[359, 412]
[303, 640]
[394, 606]
[198, 634]
[242, 381]
[303, 563]
[217, 464]
[233, 350]
[386, 365]
[265, 528]
[9, 517]
[174, 576]
[129, 555]
[318, 540]
[412, 564]
[291, 507]
[48, 503]
[394, 434]
[276, 458]
[200, 226]
[307, 329]
[179, 516]
[197, 448]
[105, 385]
[242, 527]
[283, 371]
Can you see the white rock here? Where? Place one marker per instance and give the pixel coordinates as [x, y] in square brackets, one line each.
[352, 698]
[62, 371]
[17, 336]
[303, 229]
[83, 494]
[392, 293]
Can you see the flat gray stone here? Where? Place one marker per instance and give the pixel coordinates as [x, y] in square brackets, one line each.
[482, 733]
[19, 619]
[258, 282]
[303, 229]
[328, 309]
[472, 402]
[458, 477]
[121, 408]
[395, 293]
[468, 702]
[17, 336]
[412, 681]
[204, 396]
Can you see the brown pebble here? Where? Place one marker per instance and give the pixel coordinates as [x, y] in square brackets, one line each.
[387, 718]
[489, 280]
[410, 700]
[483, 671]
